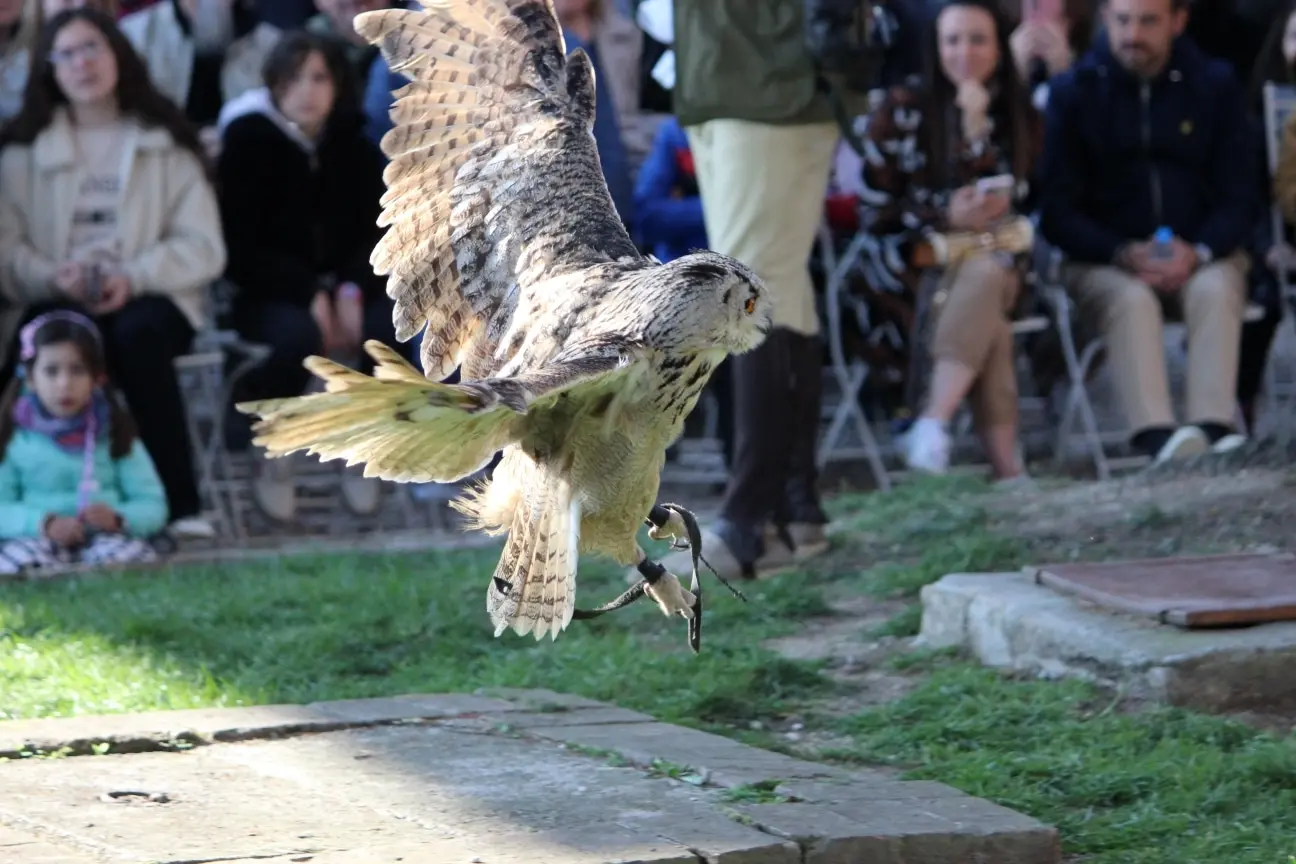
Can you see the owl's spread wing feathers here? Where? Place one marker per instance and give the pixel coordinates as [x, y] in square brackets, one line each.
[494, 179]
[408, 429]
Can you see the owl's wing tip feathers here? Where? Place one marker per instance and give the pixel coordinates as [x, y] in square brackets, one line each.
[401, 426]
[494, 120]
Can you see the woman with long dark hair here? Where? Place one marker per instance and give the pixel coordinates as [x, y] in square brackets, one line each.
[105, 207]
[926, 149]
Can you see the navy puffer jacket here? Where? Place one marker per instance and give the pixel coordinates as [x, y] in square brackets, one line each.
[1123, 156]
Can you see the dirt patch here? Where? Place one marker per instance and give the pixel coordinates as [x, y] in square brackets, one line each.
[1147, 516]
[1195, 509]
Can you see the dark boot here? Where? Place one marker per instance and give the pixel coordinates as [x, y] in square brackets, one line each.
[800, 510]
[758, 475]
[806, 405]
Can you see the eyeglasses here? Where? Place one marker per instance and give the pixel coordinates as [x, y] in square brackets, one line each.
[88, 50]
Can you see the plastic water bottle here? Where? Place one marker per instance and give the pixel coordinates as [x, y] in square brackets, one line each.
[1162, 243]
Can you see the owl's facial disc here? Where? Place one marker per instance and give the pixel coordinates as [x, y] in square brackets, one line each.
[751, 314]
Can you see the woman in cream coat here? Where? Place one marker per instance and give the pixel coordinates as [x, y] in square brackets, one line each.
[105, 206]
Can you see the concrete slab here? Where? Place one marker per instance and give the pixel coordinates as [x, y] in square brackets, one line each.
[1006, 620]
[500, 778]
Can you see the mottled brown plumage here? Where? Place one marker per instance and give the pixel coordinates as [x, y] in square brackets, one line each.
[579, 357]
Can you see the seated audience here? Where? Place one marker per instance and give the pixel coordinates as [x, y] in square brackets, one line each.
[666, 199]
[1277, 64]
[76, 484]
[1232, 30]
[129, 6]
[1048, 39]
[105, 207]
[335, 20]
[201, 53]
[285, 14]
[50, 8]
[925, 152]
[300, 198]
[1145, 133]
[19, 24]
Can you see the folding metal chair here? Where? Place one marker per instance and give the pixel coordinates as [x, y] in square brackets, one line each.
[1079, 365]
[208, 389]
[850, 375]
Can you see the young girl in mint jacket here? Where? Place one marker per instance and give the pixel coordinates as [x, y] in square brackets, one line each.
[76, 484]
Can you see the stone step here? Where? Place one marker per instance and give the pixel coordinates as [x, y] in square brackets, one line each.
[503, 777]
[1009, 621]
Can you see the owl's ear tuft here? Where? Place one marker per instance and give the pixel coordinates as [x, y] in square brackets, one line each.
[704, 270]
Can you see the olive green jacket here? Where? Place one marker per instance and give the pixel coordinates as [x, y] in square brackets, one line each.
[747, 60]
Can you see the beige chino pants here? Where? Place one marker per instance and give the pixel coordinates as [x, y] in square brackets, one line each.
[763, 188]
[1130, 316]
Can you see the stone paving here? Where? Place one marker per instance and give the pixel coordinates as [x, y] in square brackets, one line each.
[499, 777]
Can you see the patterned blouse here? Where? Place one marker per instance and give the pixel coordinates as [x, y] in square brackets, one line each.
[901, 198]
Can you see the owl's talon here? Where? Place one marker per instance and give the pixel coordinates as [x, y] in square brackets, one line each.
[667, 523]
[669, 594]
[676, 524]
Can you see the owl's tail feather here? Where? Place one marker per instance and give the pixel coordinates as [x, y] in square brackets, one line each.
[533, 589]
[402, 426]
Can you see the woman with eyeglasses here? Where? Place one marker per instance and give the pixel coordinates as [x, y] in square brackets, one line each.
[106, 207]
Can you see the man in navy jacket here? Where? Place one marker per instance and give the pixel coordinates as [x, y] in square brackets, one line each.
[1147, 132]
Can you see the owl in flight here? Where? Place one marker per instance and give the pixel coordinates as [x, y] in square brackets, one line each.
[579, 357]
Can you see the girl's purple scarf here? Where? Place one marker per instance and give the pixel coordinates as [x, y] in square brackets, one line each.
[69, 433]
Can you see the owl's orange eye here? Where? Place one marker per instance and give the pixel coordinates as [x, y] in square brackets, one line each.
[750, 305]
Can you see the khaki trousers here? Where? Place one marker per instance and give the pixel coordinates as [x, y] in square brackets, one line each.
[1130, 317]
[763, 189]
[973, 330]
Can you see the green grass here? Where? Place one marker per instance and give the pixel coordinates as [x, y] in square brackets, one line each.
[306, 629]
[1155, 786]
[924, 531]
[1160, 785]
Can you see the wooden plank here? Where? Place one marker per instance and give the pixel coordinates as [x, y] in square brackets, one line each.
[1207, 591]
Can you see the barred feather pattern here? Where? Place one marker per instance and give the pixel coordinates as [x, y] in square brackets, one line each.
[533, 589]
[579, 358]
[494, 182]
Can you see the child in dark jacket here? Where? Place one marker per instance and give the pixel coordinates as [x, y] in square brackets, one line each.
[76, 486]
[301, 190]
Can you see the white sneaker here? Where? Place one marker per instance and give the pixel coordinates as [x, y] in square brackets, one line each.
[196, 527]
[927, 446]
[274, 490]
[1186, 441]
[1229, 442]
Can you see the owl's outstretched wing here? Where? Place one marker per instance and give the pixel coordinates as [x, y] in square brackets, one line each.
[494, 180]
[407, 429]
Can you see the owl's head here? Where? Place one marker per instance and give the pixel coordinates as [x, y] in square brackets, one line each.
[724, 301]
